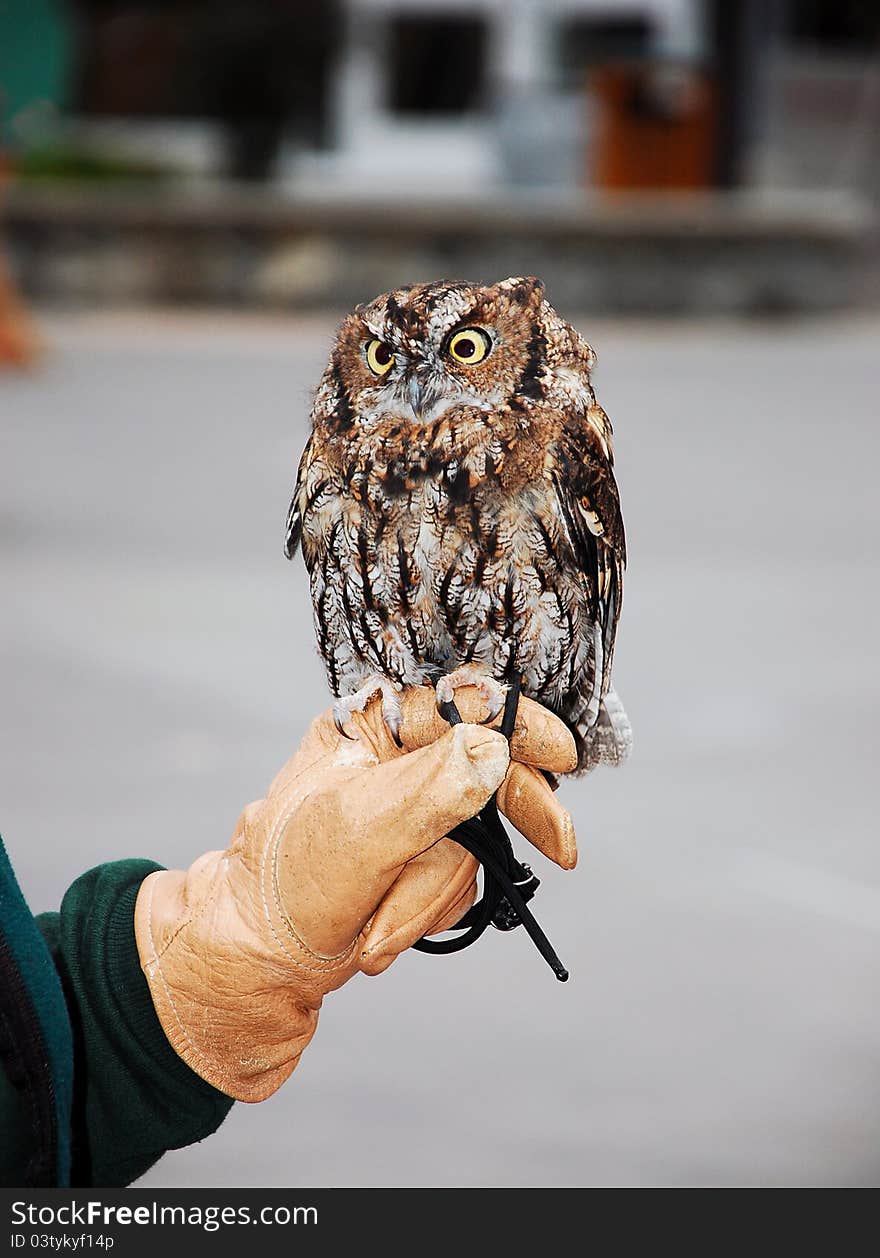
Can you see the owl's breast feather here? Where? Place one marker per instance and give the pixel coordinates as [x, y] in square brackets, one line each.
[462, 451]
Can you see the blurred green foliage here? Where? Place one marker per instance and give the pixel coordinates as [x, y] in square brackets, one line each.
[67, 161]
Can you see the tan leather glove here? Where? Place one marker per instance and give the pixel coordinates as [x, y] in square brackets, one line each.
[341, 867]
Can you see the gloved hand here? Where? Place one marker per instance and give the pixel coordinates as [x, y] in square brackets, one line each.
[340, 868]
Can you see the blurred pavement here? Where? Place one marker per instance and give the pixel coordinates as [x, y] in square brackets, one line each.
[723, 927]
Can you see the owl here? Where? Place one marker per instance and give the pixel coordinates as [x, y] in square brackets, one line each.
[457, 509]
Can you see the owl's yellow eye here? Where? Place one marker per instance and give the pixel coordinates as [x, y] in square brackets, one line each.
[469, 346]
[380, 359]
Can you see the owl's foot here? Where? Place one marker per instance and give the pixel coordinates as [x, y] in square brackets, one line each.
[472, 675]
[376, 683]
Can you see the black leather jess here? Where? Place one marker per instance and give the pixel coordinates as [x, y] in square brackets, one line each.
[507, 883]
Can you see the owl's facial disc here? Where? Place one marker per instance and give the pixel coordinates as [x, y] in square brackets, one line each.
[424, 375]
[435, 381]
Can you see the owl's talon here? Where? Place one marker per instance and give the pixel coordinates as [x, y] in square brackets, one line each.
[344, 708]
[495, 709]
[340, 728]
[392, 715]
[491, 690]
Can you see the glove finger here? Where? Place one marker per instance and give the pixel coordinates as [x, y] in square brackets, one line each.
[539, 739]
[455, 912]
[345, 844]
[381, 961]
[400, 808]
[527, 801]
[422, 899]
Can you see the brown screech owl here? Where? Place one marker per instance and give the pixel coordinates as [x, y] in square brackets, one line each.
[458, 512]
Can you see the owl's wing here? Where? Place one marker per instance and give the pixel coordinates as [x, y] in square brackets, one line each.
[293, 532]
[589, 507]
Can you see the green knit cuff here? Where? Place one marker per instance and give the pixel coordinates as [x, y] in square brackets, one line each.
[134, 1098]
[125, 976]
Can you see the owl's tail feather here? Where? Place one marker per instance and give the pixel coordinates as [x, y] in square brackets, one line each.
[609, 740]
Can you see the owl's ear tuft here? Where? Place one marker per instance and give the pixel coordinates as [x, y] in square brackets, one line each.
[527, 290]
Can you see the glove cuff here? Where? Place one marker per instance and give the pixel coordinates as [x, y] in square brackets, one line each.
[235, 990]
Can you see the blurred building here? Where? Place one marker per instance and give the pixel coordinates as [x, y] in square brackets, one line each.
[432, 95]
[249, 150]
[426, 96]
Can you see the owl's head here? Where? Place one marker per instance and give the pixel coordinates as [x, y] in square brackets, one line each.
[420, 350]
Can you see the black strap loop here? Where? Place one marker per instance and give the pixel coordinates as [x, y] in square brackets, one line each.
[507, 884]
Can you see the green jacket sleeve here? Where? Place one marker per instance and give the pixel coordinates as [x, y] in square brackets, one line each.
[133, 1097]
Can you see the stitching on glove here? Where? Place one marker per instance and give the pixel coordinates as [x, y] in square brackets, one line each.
[192, 916]
[324, 964]
[196, 1055]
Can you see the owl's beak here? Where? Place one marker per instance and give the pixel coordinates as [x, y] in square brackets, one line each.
[415, 391]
